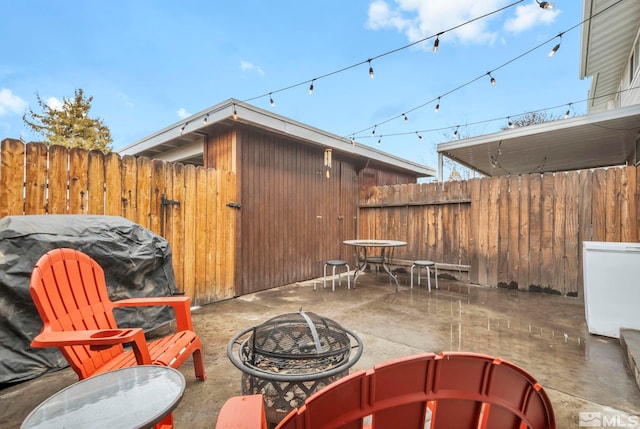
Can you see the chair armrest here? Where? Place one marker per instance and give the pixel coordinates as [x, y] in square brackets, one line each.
[242, 412]
[181, 307]
[97, 339]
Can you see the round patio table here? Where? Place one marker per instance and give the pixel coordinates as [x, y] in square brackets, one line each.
[386, 247]
[135, 397]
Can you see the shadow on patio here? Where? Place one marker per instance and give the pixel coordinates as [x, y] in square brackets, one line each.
[544, 334]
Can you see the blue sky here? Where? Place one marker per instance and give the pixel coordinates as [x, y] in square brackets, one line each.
[148, 64]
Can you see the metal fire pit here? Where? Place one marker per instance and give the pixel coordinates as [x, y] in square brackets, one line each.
[290, 357]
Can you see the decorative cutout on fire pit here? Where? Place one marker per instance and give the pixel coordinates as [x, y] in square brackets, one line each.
[290, 357]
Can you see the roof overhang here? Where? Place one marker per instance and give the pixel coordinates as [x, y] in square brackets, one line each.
[608, 33]
[594, 140]
[189, 135]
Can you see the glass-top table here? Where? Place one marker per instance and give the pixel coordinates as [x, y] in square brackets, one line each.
[135, 397]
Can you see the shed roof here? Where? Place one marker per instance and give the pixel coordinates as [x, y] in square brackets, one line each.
[598, 139]
[184, 140]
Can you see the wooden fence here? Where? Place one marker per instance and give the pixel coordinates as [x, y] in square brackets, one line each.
[199, 226]
[522, 232]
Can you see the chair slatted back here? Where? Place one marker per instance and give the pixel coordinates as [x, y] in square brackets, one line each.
[70, 293]
[449, 390]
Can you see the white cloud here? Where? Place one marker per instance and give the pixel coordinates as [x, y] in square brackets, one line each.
[10, 103]
[528, 16]
[418, 19]
[247, 66]
[54, 103]
[182, 113]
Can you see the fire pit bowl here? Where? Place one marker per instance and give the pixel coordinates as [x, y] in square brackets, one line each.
[291, 356]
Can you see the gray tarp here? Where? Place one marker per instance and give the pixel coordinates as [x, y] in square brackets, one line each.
[136, 263]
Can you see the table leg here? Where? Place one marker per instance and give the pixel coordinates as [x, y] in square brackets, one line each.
[360, 264]
[386, 266]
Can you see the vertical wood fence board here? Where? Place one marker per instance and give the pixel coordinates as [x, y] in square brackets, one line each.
[201, 241]
[474, 230]
[585, 232]
[36, 179]
[523, 200]
[143, 194]
[58, 180]
[558, 274]
[78, 181]
[546, 239]
[628, 205]
[95, 182]
[572, 234]
[178, 224]
[190, 225]
[535, 229]
[513, 256]
[230, 222]
[213, 244]
[493, 230]
[113, 184]
[129, 180]
[503, 224]
[598, 207]
[612, 206]
[158, 189]
[12, 154]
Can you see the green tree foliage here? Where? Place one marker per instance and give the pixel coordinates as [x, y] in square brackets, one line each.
[70, 125]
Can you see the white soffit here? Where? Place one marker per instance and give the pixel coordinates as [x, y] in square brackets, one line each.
[607, 39]
[595, 140]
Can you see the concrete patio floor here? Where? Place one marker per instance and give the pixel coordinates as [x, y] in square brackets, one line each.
[544, 334]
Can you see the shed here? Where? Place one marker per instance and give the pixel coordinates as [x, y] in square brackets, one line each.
[297, 187]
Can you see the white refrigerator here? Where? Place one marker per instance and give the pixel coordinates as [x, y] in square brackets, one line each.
[611, 286]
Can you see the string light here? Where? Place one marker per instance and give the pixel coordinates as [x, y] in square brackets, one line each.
[437, 109]
[183, 128]
[273, 103]
[545, 4]
[568, 112]
[235, 113]
[493, 79]
[455, 133]
[419, 136]
[311, 87]
[206, 118]
[371, 75]
[406, 119]
[436, 43]
[380, 140]
[509, 123]
[373, 132]
[556, 47]
[353, 140]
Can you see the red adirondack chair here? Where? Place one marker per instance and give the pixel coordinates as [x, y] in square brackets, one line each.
[69, 290]
[450, 390]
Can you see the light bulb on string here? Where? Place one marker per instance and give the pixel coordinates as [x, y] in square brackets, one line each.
[568, 112]
[183, 127]
[373, 132]
[437, 109]
[419, 136]
[436, 43]
[509, 122]
[493, 79]
[380, 140]
[371, 75]
[406, 119]
[545, 4]
[556, 47]
[353, 140]
[311, 87]
[273, 103]
[235, 112]
[455, 133]
[205, 119]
